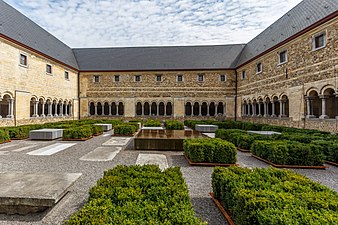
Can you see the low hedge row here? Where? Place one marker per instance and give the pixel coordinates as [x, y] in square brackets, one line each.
[138, 195]
[4, 136]
[273, 196]
[329, 148]
[21, 132]
[125, 129]
[152, 123]
[210, 150]
[174, 125]
[289, 153]
[85, 131]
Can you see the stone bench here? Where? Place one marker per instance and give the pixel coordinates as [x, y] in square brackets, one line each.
[203, 128]
[106, 127]
[46, 134]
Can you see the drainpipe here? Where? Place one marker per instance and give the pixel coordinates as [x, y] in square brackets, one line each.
[236, 87]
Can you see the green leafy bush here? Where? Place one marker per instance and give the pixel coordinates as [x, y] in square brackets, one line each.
[273, 196]
[174, 125]
[125, 129]
[138, 195]
[329, 149]
[85, 131]
[210, 150]
[152, 123]
[289, 153]
[21, 132]
[96, 129]
[4, 136]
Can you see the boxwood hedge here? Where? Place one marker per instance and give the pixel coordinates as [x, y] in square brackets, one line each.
[139, 195]
[174, 125]
[85, 131]
[273, 196]
[210, 150]
[125, 129]
[4, 136]
[152, 123]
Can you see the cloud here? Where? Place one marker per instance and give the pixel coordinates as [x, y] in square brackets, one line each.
[101, 23]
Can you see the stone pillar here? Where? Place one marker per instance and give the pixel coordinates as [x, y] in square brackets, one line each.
[35, 109]
[95, 104]
[70, 109]
[309, 109]
[208, 110]
[61, 109]
[49, 109]
[110, 109]
[0, 107]
[200, 110]
[165, 109]
[56, 109]
[254, 109]
[102, 109]
[10, 108]
[117, 109]
[158, 110]
[259, 109]
[273, 113]
[43, 109]
[66, 109]
[323, 116]
[142, 109]
[282, 108]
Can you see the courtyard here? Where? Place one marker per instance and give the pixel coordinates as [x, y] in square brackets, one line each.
[92, 157]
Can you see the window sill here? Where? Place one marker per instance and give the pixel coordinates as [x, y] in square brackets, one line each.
[282, 63]
[49, 74]
[319, 48]
[24, 66]
[257, 73]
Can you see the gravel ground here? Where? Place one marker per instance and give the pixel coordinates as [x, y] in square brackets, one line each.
[198, 178]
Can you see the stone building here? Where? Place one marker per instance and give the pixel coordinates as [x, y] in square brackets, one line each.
[287, 75]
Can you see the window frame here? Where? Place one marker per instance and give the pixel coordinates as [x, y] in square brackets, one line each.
[221, 76]
[200, 75]
[117, 78]
[51, 69]
[259, 68]
[94, 79]
[66, 77]
[279, 57]
[26, 60]
[314, 38]
[180, 75]
[158, 76]
[137, 76]
[243, 74]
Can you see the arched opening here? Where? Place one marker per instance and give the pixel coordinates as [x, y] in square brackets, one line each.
[146, 109]
[64, 107]
[196, 109]
[244, 108]
[314, 105]
[212, 109]
[139, 109]
[169, 109]
[32, 108]
[121, 109]
[188, 109]
[275, 107]
[46, 108]
[113, 109]
[99, 109]
[261, 107]
[54, 108]
[255, 108]
[92, 109]
[269, 107]
[204, 109]
[40, 113]
[220, 108]
[154, 109]
[330, 103]
[250, 108]
[106, 109]
[285, 106]
[70, 108]
[161, 109]
[58, 110]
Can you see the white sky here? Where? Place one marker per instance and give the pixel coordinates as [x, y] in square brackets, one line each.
[103, 23]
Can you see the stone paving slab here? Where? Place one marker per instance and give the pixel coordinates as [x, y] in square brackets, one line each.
[210, 135]
[22, 193]
[156, 159]
[102, 154]
[51, 149]
[267, 133]
[117, 141]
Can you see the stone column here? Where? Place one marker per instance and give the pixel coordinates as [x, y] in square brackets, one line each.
[0, 107]
[49, 109]
[43, 109]
[95, 104]
[66, 109]
[254, 109]
[10, 108]
[259, 109]
[35, 109]
[208, 110]
[165, 109]
[266, 109]
[200, 110]
[109, 104]
[158, 110]
[102, 109]
[273, 113]
[70, 109]
[323, 116]
[282, 108]
[56, 109]
[309, 109]
[61, 109]
[117, 110]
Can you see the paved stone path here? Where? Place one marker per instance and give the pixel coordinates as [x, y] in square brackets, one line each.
[153, 159]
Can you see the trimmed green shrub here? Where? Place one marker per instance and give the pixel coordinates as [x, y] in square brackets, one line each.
[21, 132]
[174, 125]
[273, 196]
[210, 150]
[96, 129]
[4, 136]
[125, 129]
[152, 123]
[138, 195]
[85, 131]
[329, 149]
[288, 153]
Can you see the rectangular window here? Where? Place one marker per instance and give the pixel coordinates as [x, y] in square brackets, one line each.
[66, 75]
[200, 77]
[319, 41]
[117, 78]
[137, 78]
[48, 69]
[23, 60]
[243, 74]
[158, 78]
[283, 57]
[222, 78]
[258, 67]
[96, 79]
[179, 78]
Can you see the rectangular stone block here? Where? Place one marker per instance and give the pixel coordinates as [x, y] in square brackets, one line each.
[206, 128]
[46, 134]
[267, 133]
[106, 127]
[152, 128]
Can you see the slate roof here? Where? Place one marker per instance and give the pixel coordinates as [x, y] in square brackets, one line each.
[18, 27]
[158, 58]
[297, 19]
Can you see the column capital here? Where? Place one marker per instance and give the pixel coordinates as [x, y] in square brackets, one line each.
[323, 96]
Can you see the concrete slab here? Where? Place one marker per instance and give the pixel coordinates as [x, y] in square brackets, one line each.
[51, 149]
[204, 128]
[210, 135]
[268, 133]
[154, 159]
[152, 128]
[102, 154]
[46, 134]
[24, 148]
[8, 145]
[106, 126]
[117, 141]
[23, 193]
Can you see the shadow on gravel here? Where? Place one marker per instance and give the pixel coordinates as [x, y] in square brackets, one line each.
[206, 208]
[178, 160]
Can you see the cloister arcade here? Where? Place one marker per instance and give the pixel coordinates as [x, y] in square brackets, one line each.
[41, 107]
[267, 107]
[154, 109]
[204, 108]
[106, 109]
[6, 105]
